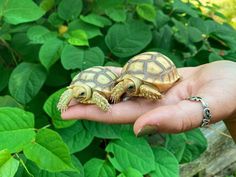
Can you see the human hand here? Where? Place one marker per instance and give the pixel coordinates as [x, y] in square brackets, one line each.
[214, 82]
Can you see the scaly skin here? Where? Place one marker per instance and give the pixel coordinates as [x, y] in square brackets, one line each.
[94, 98]
[118, 91]
[65, 99]
[149, 92]
[100, 101]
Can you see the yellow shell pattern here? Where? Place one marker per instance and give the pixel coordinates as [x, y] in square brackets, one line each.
[98, 78]
[152, 67]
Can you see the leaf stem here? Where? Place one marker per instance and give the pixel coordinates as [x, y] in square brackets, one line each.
[46, 126]
[5, 44]
[23, 164]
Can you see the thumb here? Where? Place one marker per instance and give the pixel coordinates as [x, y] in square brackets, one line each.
[180, 117]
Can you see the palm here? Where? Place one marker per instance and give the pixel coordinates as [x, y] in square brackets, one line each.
[173, 113]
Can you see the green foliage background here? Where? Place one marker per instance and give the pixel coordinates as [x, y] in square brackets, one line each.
[43, 43]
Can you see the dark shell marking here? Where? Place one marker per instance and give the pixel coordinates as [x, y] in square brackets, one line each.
[99, 78]
[151, 67]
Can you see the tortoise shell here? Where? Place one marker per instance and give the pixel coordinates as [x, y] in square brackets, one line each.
[153, 68]
[98, 78]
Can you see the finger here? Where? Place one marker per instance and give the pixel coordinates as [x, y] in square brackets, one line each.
[176, 118]
[124, 112]
[187, 71]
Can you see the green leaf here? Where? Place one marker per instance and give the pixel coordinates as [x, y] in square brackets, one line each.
[96, 20]
[106, 131]
[47, 4]
[125, 40]
[21, 44]
[116, 14]
[72, 57]
[230, 56]
[190, 145]
[140, 1]
[176, 148]
[5, 74]
[130, 172]
[54, 79]
[8, 101]
[161, 19]
[210, 26]
[77, 137]
[16, 12]
[200, 24]
[181, 32]
[226, 36]
[78, 38]
[113, 63]
[26, 80]
[195, 35]
[214, 57]
[50, 107]
[93, 57]
[182, 7]
[37, 172]
[131, 152]
[8, 165]
[165, 162]
[70, 9]
[196, 144]
[163, 39]
[16, 128]
[146, 11]
[101, 5]
[39, 34]
[187, 35]
[91, 30]
[56, 156]
[98, 168]
[50, 52]
[55, 20]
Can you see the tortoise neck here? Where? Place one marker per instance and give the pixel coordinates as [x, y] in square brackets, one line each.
[132, 82]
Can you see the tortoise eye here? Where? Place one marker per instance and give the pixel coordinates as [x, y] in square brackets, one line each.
[82, 94]
[131, 87]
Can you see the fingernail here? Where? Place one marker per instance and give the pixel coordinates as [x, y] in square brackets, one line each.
[146, 130]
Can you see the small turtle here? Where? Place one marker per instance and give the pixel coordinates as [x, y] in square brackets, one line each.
[91, 86]
[147, 75]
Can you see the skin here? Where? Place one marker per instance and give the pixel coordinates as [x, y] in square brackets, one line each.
[214, 82]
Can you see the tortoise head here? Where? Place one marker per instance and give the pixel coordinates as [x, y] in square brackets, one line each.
[81, 92]
[129, 86]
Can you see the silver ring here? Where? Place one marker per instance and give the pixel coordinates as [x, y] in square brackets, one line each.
[206, 111]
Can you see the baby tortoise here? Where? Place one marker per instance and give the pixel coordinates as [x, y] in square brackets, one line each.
[91, 86]
[146, 75]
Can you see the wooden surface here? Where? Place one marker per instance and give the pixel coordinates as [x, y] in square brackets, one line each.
[218, 159]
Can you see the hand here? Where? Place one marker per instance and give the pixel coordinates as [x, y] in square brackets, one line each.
[214, 82]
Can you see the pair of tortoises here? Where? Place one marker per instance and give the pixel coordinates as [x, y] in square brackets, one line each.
[147, 75]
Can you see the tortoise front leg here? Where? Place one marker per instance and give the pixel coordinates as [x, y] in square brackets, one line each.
[64, 100]
[149, 92]
[100, 101]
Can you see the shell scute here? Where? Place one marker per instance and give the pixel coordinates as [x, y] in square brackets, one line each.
[151, 67]
[98, 78]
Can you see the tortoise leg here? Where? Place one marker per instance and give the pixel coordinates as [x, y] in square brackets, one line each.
[64, 100]
[149, 92]
[100, 101]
